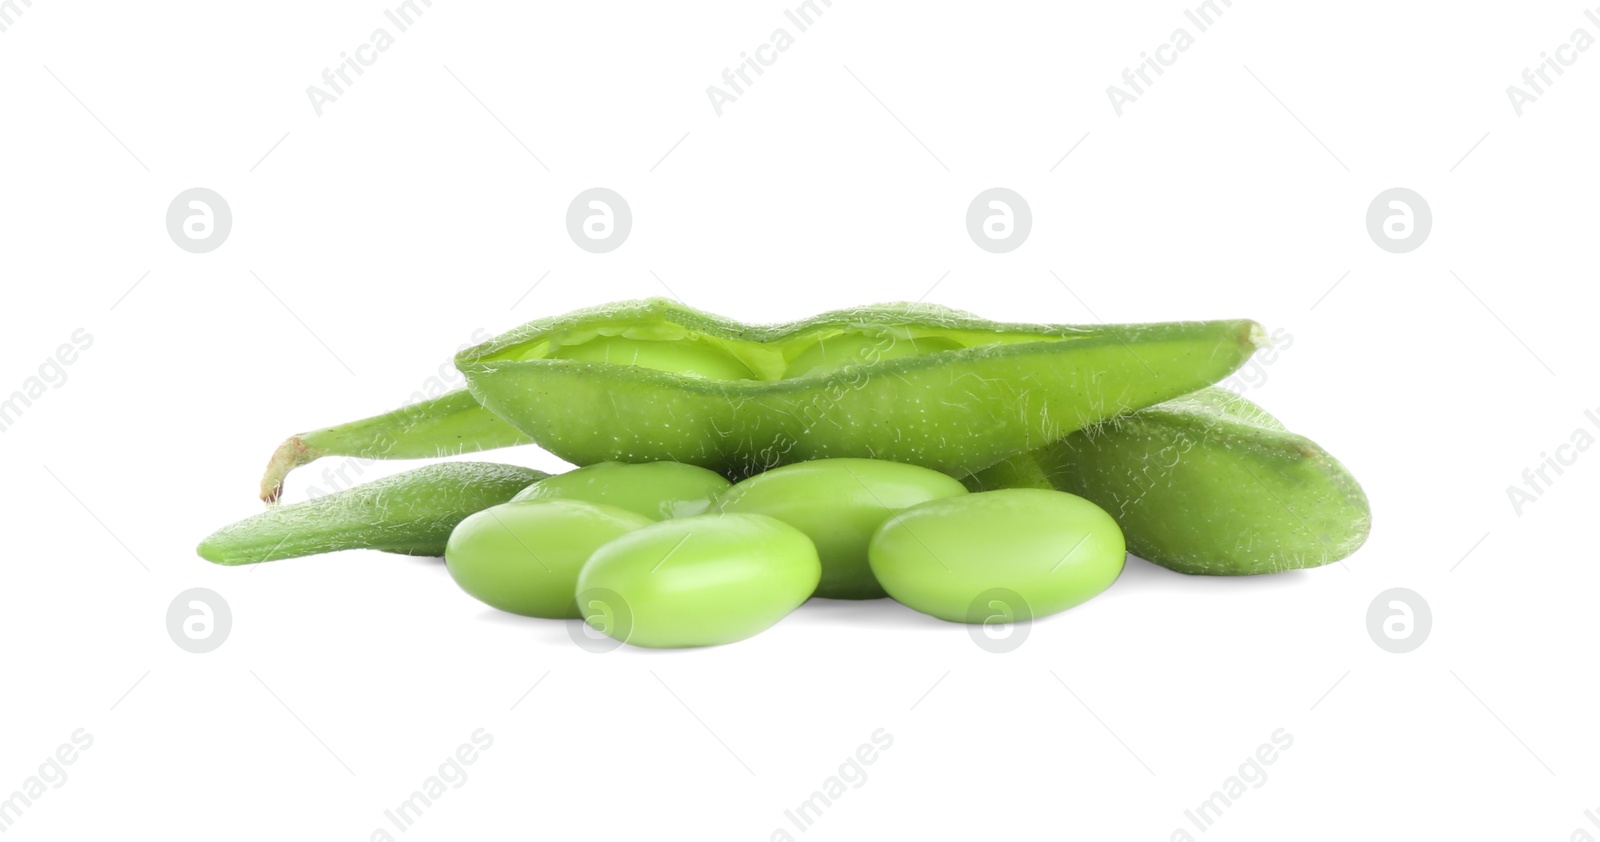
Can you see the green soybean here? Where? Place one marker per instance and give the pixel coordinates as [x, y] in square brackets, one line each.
[524, 557]
[656, 381]
[838, 504]
[657, 490]
[1206, 484]
[410, 513]
[698, 581]
[1038, 550]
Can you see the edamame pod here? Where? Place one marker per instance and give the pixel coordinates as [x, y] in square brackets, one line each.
[1205, 484]
[410, 513]
[656, 381]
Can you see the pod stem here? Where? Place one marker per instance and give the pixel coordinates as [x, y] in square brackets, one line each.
[447, 425]
[290, 455]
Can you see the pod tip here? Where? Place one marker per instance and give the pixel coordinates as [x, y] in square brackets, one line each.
[209, 552]
[1257, 335]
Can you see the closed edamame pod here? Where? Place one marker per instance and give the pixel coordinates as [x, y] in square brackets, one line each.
[410, 513]
[1205, 484]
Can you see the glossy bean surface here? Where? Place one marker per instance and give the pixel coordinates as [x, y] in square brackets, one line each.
[698, 581]
[657, 490]
[838, 504]
[1052, 550]
[524, 557]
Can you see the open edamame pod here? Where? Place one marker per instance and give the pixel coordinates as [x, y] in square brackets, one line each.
[410, 513]
[654, 380]
[1208, 483]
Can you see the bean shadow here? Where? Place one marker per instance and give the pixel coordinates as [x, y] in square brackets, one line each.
[566, 633]
[866, 613]
[877, 614]
[1140, 576]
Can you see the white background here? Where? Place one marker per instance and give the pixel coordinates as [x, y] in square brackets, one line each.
[425, 202]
